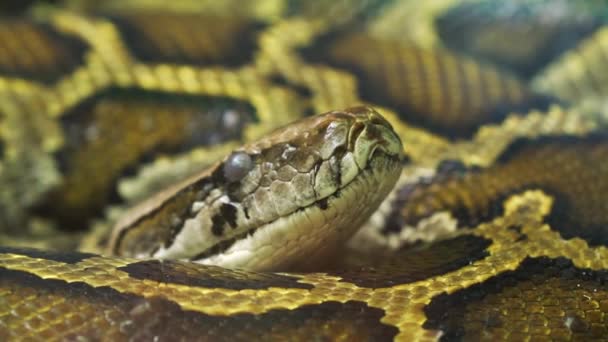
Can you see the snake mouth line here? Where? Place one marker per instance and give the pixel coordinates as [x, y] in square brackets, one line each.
[322, 203]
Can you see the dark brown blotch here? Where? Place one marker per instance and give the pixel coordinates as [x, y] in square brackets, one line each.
[542, 297]
[410, 264]
[227, 215]
[393, 74]
[195, 39]
[323, 203]
[217, 225]
[38, 51]
[103, 313]
[65, 257]
[113, 133]
[197, 275]
[573, 170]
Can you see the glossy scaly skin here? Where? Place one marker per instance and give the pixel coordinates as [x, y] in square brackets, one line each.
[504, 174]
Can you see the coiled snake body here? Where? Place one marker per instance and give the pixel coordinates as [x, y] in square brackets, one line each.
[455, 188]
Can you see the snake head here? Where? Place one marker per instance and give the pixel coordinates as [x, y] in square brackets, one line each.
[277, 203]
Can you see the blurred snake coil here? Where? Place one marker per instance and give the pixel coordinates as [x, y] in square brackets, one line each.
[457, 190]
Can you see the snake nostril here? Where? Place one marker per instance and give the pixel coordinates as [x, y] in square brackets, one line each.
[355, 131]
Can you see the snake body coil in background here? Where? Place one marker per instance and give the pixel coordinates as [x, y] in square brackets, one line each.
[165, 175]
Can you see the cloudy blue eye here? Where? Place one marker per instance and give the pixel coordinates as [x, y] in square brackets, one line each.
[237, 166]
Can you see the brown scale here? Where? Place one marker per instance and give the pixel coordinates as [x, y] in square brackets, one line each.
[69, 310]
[436, 89]
[197, 275]
[37, 51]
[409, 264]
[546, 299]
[189, 38]
[110, 135]
[67, 257]
[572, 170]
[523, 36]
[337, 13]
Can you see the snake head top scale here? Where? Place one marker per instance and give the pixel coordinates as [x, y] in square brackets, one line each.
[278, 203]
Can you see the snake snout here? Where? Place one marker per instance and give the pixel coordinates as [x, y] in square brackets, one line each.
[372, 133]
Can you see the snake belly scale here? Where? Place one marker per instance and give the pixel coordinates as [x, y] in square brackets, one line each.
[303, 170]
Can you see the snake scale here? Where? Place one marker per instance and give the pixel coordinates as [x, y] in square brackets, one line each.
[165, 175]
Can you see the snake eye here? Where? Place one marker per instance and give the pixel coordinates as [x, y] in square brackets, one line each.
[237, 166]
